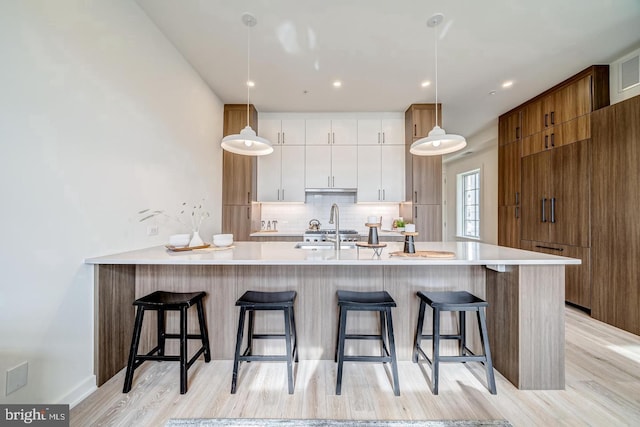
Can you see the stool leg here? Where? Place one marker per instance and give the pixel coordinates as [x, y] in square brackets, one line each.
[392, 351]
[335, 356]
[484, 338]
[341, 333]
[295, 334]
[383, 333]
[287, 336]
[250, 333]
[462, 332]
[236, 357]
[133, 352]
[436, 351]
[161, 332]
[183, 350]
[204, 336]
[419, 326]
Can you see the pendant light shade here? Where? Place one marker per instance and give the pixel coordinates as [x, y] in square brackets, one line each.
[438, 141]
[247, 142]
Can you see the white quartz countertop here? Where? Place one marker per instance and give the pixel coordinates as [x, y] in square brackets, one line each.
[300, 233]
[285, 253]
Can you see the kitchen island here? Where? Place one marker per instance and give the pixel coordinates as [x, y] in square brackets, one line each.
[525, 291]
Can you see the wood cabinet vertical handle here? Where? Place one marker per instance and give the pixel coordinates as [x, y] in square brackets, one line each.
[415, 129]
[415, 197]
[248, 196]
[517, 213]
[553, 117]
[546, 123]
[553, 210]
[517, 132]
[544, 217]
[546, 141]
[553, 139]
[517, 197]
[248, 213]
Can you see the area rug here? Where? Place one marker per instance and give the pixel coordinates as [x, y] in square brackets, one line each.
[269, 422]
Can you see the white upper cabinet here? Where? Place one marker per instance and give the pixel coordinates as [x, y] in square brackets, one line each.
[381, 173]
[331, 166]
[283, 132]
[281, 174]
[381, 131]
[331, 132]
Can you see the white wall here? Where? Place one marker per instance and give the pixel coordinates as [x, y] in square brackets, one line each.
[484, 156]
[100, 117]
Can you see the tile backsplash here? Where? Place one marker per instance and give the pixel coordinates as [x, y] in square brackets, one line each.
[296, 216]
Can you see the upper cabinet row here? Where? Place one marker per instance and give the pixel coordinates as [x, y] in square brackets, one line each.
[333, 131]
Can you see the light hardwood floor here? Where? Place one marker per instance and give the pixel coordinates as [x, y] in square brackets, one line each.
[602, 389]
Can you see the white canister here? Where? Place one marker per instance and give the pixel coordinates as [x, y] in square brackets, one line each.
[373, 219]
[410, 228]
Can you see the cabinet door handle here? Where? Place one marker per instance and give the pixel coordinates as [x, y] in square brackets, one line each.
[544, 218]
[415, 197]
[328, 137]
[415, 130]
[546, 141]
[415, 216]
[546, 116]
[334, 137]
[283, 137]
[328, 181]
[248, 196]
[378, 194]
[517, 132]
[378, 137]
[517, 214]
[549, 247]
[278, 194]
[553, 210]
[333, 183]
[553, 117]
[248, 213]
[283, 194]
[383, 138]
[553, 139]
[517, 197]
[384, 196]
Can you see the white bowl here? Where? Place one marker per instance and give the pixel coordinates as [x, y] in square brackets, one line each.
[179, 240]
[222, 240]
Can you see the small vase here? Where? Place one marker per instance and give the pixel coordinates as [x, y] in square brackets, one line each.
[196, 240]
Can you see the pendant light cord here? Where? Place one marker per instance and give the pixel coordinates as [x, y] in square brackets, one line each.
[436, 28]
[248, 68]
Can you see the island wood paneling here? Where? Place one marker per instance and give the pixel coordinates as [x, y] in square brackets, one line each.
[114, 293]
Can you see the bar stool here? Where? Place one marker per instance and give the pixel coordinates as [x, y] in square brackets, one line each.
[162, 301]
[251, 302]
[461, 302]
[367, 301]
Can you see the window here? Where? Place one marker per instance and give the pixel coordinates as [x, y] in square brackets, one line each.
[469, 204]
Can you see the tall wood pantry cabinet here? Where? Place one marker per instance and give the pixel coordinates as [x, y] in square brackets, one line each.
[545, 174]
[240, 215]
[615, 215]
[423, 184]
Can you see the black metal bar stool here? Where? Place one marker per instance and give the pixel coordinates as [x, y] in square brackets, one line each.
[461, 302]
[367, 301]
[161, 301]
[251, 302]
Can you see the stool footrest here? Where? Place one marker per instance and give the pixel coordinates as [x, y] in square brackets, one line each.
[177, 336]
[263, 358]
[363, 337]
[383, 359]
[442, 337]
[268, 336]
[159, 358]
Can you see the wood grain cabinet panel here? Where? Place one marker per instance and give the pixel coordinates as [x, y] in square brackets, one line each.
[510, 128]
[532, 118]
[509, 226]
[509, 174]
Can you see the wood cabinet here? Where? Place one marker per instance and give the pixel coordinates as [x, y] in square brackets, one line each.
[238, 176]
[331, 166]
[283, 132]
[331, 132]
[510, 128]
[381, 173]
[615, 202]
[423, 183]
[281, 175]
[380, 131]
[554, 175]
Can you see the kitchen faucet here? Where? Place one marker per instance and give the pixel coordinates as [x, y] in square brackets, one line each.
[334, 208]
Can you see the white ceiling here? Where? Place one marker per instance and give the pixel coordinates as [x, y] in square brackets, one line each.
[382, 50]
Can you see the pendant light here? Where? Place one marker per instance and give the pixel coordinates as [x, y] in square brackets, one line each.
[247, 142]
[438, 142]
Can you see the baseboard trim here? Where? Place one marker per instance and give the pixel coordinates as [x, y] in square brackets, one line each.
[79, 392]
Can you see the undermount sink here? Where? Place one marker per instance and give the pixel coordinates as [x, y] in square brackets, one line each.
[315, 246]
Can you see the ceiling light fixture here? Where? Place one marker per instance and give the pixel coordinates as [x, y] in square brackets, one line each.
[337, 83]
[507, 84]
[247, 142]
[425, 84]
[438, 142]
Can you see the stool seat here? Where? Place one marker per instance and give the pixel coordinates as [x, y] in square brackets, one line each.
[455, 301]
[277, 299]
[169, 300]
[162, 301]
[249, 303]
[379, 301]
[378, 298]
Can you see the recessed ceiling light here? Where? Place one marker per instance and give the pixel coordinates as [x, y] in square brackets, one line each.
[337, 83]
[493, 92]
[251, 83]
[425, 83]
[507, 84]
